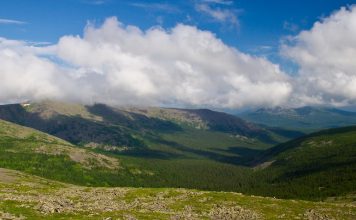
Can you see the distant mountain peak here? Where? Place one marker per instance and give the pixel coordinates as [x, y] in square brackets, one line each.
[305, 117]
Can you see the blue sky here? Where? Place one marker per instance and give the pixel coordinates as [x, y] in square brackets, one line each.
[232, 49]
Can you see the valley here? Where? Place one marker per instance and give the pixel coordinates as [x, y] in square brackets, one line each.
[173, 153]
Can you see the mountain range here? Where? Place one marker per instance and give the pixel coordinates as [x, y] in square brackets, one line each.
[100, 145]
[103, 146]
[306, 119]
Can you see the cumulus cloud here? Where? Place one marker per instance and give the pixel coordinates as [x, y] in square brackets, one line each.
[326, 55]
[123, 65]
[24, 75]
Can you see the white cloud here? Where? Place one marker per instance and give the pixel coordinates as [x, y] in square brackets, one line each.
[157, 7]
[24, 75]
[124, 65]
[221, 2]
[10, 21]
[326, 55]
[96, 2]
[289, 26]
[218, 14]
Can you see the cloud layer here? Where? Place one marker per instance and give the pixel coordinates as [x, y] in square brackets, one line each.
[326, 55]
[184, 66]
[121, 65]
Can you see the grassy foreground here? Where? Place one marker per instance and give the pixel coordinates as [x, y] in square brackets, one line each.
[24, 196]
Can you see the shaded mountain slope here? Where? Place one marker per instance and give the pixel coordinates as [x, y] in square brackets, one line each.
[35, 152]
[105, 127]
[71, 122]
[322, 164]
[205, 119]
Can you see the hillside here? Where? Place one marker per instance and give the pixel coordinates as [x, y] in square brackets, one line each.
[18, 140]
[38, 153]
[305, 118]
[319, 165]
[150, 132]
[202, 119]
[314, 167]
[24, 196]
[125, 127]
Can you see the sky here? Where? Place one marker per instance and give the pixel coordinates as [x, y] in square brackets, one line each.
[193, 53]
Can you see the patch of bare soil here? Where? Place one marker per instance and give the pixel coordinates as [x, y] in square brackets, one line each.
[89, 159]
[264, 165]
[84, 157]
[8, 216]
[6, 176]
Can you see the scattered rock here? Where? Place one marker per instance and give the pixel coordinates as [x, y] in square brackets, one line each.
[311, 214]
[220, 212]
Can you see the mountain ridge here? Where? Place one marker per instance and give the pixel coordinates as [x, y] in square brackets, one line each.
[305, 118]
[59, 119]
[181, 156]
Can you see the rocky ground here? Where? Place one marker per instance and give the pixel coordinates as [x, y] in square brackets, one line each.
[27, 197]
